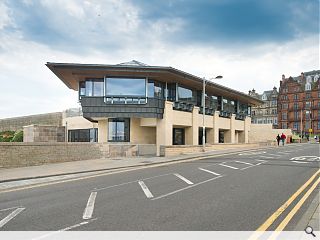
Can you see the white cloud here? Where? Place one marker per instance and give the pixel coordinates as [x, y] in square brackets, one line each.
[29, 87]
[5, 19]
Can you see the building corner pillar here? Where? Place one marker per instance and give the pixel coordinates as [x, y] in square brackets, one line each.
[164, 128]
[216, 127]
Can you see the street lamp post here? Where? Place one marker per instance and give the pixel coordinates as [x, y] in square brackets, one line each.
[203, 109]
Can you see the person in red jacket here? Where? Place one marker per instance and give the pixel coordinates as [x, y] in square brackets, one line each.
[283, 137]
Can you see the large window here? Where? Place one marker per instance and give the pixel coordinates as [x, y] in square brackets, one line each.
[93, 87]
[119, 130]
[82, 88]
[83, 135]
[155, 89]
[228, 105]
[284, 116]
[296, 126]
[186, 94]
[243, 108]
[126, 87]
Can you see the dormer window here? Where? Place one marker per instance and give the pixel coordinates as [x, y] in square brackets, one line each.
[264, 97]
[308, 86]
[309, 79]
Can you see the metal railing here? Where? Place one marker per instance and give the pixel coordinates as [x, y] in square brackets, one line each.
[225, 114]
[208, 111]
[125, 99]
[183, 106]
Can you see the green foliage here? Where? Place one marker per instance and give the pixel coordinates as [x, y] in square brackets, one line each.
[18, 137]
[6, 136]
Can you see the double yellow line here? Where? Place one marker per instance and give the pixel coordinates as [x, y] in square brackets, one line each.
[281, 209]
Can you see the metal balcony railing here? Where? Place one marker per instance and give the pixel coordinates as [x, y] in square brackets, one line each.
[240, 116]
[225, 114]
[183, 106]
[208, 111]
[125, 99]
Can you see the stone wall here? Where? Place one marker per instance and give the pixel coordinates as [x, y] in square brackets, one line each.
[14, 124]
[31, 154]
[37, 133]
[265, 132]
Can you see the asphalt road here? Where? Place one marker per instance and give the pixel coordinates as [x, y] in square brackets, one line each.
[237, 192]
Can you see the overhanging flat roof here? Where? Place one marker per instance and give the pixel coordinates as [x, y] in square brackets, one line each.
[72, 73]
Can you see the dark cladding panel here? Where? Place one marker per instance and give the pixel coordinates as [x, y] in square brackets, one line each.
[96, 107]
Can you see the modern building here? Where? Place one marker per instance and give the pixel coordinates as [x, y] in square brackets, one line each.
[267, 112]
[140, 104]
[299, 103]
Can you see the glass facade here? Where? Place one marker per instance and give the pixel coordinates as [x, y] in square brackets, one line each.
[126, 87]
[155, 89]
[124, 90]
[91, 88]
[82, 88]
[228, 105]
[186, 94]
[83, 135]
[171, 92]
[119, 130]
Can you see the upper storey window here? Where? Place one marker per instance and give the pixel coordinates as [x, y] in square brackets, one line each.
[91, 87]
[308, 86]
[125, 87]
[155, 89]
[186, 94]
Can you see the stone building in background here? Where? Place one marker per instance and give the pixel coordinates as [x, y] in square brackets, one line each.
[267, 112]
[299, 103]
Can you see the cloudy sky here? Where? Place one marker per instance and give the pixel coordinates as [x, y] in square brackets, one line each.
[251, 43]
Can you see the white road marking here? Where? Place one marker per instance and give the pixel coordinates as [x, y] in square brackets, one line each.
[228, 166]
[10, 216]
[245, 163]
[145, 189]
[299, 162]
[206, 170]
[125, 183]
[283, 153]
[246, 167]
[64, 229]
[183, 179]
[251, 153]
[307, 158]
[185, 188]
[6, 209]
[87, 214]
[266, 157]
[276, 155]
[261, 162]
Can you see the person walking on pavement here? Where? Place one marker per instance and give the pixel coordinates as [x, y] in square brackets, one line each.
[283, 137]
[278, 139]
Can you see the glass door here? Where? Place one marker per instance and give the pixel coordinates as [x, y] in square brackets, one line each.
[178, 136]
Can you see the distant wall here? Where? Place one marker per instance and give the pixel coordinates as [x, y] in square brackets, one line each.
[37, 133]
[14, 124]
[265, 132]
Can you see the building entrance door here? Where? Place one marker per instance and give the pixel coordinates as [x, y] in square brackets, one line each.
[178, 136]
[221, 136]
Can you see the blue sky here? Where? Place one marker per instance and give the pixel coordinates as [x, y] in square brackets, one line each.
[251, 43]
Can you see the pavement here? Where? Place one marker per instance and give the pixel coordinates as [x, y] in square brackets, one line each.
[225, 191]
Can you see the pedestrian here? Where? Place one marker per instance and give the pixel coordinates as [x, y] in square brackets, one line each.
[283, 137]
[278, 139]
